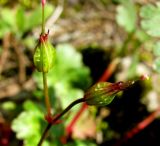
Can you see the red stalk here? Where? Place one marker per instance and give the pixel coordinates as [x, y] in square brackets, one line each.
[139, 127]
[109, 71]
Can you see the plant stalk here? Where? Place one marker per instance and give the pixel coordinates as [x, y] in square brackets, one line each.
[47, 101]
[44, 135]
[45, 85]
[43, 19]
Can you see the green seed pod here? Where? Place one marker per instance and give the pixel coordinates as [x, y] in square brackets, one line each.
[99, 94]
[103, 93]
[44, 56]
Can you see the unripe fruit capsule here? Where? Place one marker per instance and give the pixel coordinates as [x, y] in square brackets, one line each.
[103, 93]
[44, 56]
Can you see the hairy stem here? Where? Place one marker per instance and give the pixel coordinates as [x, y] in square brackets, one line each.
[57, 118]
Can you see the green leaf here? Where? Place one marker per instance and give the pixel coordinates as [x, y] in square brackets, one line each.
[151, 19]
[156, 49]
[126, 15]
[7, 15]
[7, 22]
[20, 19]
[27, 125]
[30, 106]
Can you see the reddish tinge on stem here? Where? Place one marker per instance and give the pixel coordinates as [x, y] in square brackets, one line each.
[43, 2]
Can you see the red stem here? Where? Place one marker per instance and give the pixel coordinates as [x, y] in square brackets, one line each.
[109, 70]
[139, 127]
[105, 76]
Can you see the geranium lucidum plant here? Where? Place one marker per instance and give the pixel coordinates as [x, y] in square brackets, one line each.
[100, 94]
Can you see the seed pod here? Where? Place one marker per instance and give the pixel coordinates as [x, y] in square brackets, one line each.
[44, 56]
[103, 93]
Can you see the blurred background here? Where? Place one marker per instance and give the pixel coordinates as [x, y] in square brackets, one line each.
[95, 40]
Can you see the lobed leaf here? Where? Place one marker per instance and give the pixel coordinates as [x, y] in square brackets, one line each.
[151, 19]
[126, 15]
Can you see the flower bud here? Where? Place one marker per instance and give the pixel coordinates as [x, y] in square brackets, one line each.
[103, 93]
[44, 56]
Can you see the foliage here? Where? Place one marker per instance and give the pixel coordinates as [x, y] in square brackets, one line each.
[27, 125]
[150, 23]
[150, 19]
[19, 21]
[126, 15]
